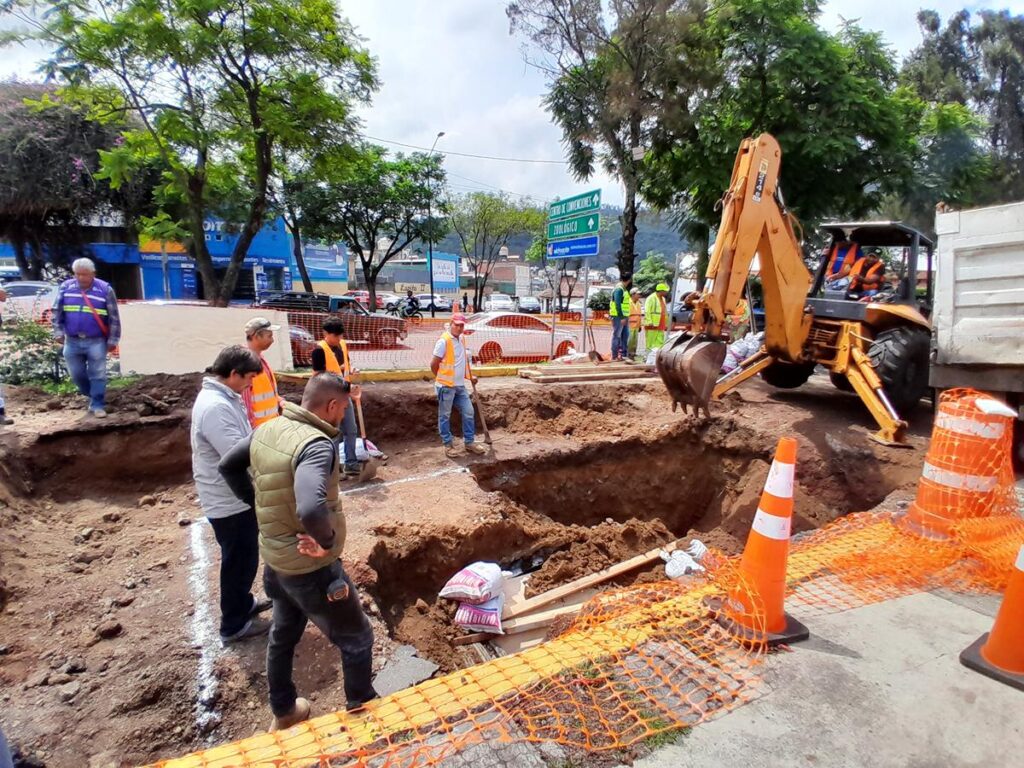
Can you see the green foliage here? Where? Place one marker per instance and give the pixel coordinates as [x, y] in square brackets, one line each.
[215, 88]
[600, 302]
[28, 354]
[653, 269]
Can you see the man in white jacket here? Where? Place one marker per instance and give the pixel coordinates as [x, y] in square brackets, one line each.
[219, 420]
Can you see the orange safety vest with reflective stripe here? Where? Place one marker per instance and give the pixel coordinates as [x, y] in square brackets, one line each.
[874, 269]
[842, 254]
[331, 360]
[263, 402]
[446, 370]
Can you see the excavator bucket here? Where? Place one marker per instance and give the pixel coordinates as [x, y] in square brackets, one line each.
[690, 366]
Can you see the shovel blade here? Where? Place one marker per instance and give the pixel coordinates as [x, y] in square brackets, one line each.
[368, 470]
[689, 367]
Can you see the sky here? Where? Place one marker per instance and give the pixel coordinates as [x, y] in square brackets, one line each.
[452, 66]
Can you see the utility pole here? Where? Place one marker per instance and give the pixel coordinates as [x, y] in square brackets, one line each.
[430, 234]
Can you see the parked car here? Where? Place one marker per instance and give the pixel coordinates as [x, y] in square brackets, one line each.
[363, 297]
[303, 344]
[440, 303]
[388, 299]
[530, 305]
[508, 335]
[499, 302]
[29, 299]
[307, 311]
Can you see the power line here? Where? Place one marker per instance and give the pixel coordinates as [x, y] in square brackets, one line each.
[465, 154]
[497, 189]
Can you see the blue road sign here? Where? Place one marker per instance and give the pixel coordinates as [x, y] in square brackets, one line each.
[574, 249]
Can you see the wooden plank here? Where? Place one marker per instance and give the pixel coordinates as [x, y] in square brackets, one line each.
[586, 377]
[540, 619]
[476, 637]
[619, 569]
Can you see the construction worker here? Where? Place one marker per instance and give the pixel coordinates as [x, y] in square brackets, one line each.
[451, 367]
[262, 400]
[868, 273]
[840, 264]
[655, 319]
[294, 488]
[636, 320]
[331, 355]
[618, 310]
[87, 323]
[219, 421]
[738, 320]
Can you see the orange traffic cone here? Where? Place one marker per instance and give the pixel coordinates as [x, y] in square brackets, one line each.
[762, 587]
[1000, 653]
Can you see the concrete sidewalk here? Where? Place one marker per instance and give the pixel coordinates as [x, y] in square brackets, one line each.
[879, 686]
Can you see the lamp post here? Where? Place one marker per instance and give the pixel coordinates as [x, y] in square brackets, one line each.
[430, 234]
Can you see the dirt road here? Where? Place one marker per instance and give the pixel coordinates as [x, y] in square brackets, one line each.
[108, 588]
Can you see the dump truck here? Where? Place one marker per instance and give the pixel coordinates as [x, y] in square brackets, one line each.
[868, 326]
[979, 306]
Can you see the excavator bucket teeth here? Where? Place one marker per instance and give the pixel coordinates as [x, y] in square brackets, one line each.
[690, 366]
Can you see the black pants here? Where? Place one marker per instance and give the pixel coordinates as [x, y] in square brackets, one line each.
[298, 599]
[238, 537]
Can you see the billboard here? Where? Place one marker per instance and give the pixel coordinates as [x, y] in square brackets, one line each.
[446, 272]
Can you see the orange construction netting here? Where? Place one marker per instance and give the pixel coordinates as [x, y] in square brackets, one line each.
[651, 658]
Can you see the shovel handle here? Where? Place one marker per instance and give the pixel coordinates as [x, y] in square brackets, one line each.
[359, 418]
[480, 409]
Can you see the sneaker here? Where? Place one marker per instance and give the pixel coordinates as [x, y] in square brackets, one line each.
[5, 421]
[299, 713]
[451, 451]
[352, 469]
[479, 450]
[259, 606]
[99, 413]
[252, 628]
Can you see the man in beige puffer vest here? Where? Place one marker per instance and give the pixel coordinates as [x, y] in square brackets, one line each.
[294, 466]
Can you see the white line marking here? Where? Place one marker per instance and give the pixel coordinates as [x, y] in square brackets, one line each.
[203, 631]
[413, 479]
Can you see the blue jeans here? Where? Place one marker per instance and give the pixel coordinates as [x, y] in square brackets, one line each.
[87, 364]
[620, 337]
[446, 398]
[349, 433]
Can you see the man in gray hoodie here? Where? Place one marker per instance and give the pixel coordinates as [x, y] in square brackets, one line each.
[219, 421]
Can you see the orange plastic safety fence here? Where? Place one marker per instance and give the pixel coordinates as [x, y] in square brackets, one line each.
[651, 658]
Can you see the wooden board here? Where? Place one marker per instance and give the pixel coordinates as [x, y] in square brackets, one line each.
[585, 377]
[516, 608]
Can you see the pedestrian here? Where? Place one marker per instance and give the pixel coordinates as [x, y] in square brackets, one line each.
[86, 322]
[4, 420]
[262, 400]
[618, 310]
[465, 301]
[636, 312]
[655, 320]
[294, 466]
[331, 355]
[451, 367]
[219, 421]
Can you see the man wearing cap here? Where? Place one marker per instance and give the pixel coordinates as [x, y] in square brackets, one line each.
[451, 368]
[656, 318]
[262, 400]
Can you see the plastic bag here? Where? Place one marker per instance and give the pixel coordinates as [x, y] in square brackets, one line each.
[485, 617]
[741, 349]
[475, 584]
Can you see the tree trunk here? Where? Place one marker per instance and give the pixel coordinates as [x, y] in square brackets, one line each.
[702, 236]
[300, 259]
[370, 277]
[627, 244]
[201, 254]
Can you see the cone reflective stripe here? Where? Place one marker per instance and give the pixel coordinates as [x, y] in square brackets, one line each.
[962, 473]
[1000, 653]
[762, 586]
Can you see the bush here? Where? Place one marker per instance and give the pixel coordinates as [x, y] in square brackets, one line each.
[600, 302]
[28, 354]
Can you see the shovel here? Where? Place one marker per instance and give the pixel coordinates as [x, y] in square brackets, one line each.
[689, 366]
[368, 468]
[480, 410]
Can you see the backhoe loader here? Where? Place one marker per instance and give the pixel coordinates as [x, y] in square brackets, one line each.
[875, 345]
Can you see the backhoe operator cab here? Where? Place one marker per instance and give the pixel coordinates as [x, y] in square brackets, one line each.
[858, 318]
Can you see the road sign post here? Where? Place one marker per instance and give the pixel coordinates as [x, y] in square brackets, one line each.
[573, 226]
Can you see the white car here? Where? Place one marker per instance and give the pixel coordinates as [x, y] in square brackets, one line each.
[496, 336]
[28, 300]
[499, 302]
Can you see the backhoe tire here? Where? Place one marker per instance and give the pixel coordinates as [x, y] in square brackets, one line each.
[900, 358]
[787, 375]
[840, 382]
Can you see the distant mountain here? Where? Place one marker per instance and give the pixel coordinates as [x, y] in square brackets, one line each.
[654, 233]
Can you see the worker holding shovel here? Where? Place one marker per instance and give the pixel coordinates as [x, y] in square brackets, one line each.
[451, 368]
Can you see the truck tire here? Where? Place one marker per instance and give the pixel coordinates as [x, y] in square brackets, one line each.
[900, 358]
[840, 382]
[787, 375]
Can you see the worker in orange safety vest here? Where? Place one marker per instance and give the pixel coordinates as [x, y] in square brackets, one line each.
[332, 355]
[451, 368]
[262, 400]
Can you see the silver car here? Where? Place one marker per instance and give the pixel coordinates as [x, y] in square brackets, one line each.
[497, 336]
[28, 300]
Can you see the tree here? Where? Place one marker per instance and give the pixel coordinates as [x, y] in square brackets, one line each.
[605, 66]
[484, 222]
[50, 157]
[847, 132]
[216, 87]
[653, 269]
[377, 206]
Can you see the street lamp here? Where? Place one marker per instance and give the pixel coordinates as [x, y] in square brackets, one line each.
[430, 222]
